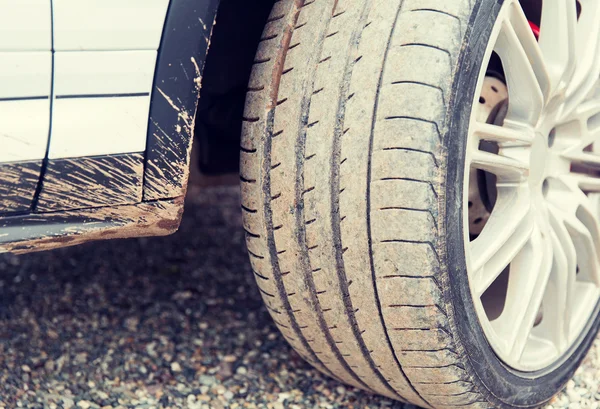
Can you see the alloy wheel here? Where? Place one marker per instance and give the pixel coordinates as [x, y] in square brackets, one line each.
[533, 258]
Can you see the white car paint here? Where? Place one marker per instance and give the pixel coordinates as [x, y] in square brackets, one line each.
[25, 82]
[99, 102]
[25, 25]
[108, 24]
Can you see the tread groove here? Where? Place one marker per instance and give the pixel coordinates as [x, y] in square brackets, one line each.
[427, 46]
[251, 235]
[368, 215]
[424, 85]
[429, 243]
[255, 255]
[414, 118]
[247, 209]
[266, 293]
[438, 12]
[300, 192]
[247, 150]
[262, 277]
[412, 209]
[397, 148]
[267, 38]
[412, 180]
[276, 18]
[266, 188]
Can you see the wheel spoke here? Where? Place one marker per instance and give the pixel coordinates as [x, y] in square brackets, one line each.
[588, 183]
[507, 169]
[587, 41]
[585, 115]
[526, 74]
[585, 111]
[581, 221]
[557, 41]
[587, 249]
[557, 311]
[505, 234]
[588, 48]
[531, 287]
[584, 158]
[503, 134]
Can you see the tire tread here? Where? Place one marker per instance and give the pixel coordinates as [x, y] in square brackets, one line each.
[314, 144]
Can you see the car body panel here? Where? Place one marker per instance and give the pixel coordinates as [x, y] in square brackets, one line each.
[121, 123]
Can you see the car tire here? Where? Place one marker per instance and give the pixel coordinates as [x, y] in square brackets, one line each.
[352, 174]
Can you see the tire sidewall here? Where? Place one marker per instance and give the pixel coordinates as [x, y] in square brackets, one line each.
[505, 387]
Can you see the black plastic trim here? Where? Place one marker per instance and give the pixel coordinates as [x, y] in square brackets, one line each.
[180, 62]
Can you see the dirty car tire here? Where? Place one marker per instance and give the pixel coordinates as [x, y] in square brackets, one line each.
[351, 163]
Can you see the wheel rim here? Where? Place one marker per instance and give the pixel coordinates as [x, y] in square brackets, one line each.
[534, 267]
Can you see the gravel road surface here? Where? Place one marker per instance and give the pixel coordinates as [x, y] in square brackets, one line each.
[172, 322]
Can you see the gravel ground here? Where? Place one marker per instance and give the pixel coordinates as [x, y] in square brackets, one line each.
[172, 322]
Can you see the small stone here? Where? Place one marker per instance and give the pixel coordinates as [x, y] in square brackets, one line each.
[182, 296]
[49, 365]
[225, 370]
[151, 349]
[84, 404]
[132, 323]
[216, 404]
[241, 370]
[25, 368]
[81, 358]
[574, 397]
[207, 380]
[102, 395]
[175, 367]
[230, 358]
